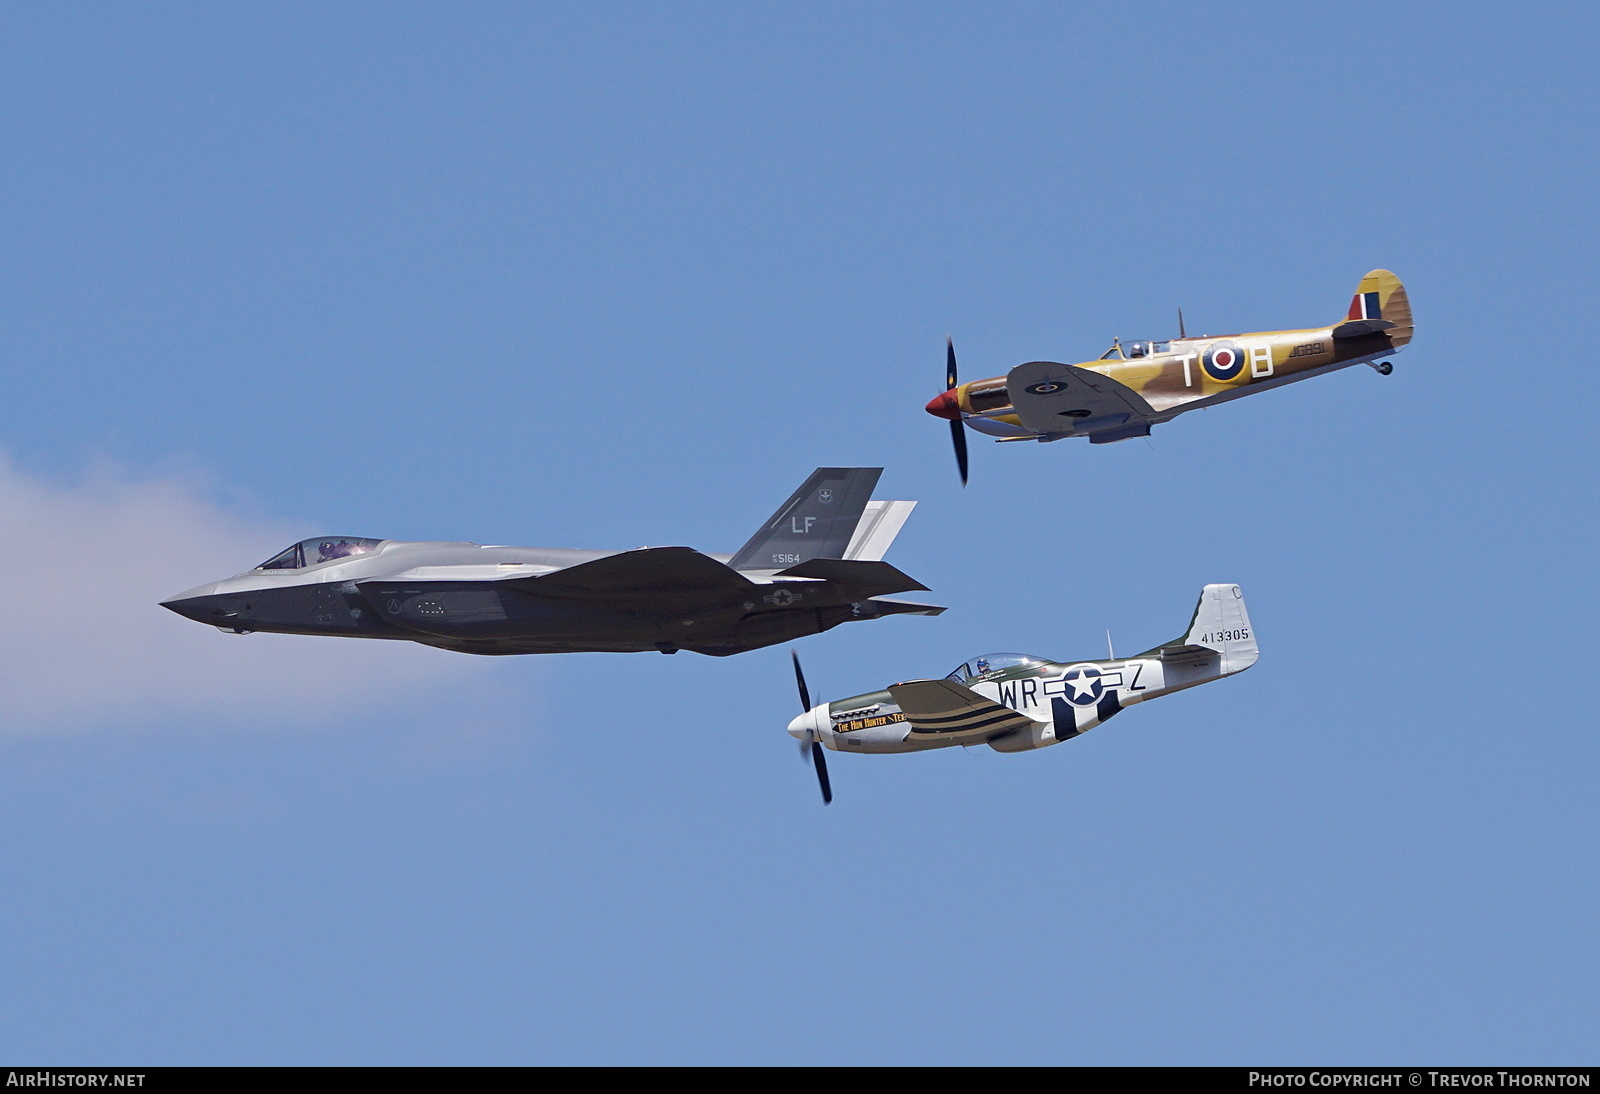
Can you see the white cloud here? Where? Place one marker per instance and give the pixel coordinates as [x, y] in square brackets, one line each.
[84, 640]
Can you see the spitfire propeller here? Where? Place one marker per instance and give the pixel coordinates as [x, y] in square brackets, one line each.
[945, 405]
[811, 749]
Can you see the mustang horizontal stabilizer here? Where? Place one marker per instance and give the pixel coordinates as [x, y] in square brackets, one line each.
[818, 521]
[872, 578]
[652, 572]
[1055, 399]
[945, 709]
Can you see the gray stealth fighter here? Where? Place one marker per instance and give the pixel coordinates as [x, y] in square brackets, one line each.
[815, 564]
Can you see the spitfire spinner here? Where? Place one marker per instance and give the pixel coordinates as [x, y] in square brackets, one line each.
[815, 564]
[1014, 703]
[1135, 386]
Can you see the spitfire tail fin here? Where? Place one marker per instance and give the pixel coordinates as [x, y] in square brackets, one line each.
[818, 521]
[1222, 624]
[1380, 303]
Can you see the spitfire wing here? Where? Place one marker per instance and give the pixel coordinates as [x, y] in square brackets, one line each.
[945, 709]
[1054, 399]
[651, 573]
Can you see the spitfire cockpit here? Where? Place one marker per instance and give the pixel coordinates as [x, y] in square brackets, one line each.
[314, 552]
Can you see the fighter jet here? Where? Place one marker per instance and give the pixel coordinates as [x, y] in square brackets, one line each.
[1135, 386]
[815, 564]
[1015, 703]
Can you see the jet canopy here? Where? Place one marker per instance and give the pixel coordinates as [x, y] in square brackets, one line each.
[991, 665]
[314, 552]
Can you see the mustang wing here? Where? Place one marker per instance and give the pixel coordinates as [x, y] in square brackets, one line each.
[1052, 398]
[943, 708]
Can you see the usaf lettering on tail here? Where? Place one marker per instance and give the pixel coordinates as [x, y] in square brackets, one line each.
[817, 563]
[1015, 703]
[1135, 386]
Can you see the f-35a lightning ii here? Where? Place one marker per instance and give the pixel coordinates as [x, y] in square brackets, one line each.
[815, 564]
[1015, 703]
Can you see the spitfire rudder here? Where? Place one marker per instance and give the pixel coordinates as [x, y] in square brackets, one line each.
[1381, 296]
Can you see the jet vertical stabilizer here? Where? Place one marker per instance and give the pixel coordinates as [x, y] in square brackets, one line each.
[818, 521]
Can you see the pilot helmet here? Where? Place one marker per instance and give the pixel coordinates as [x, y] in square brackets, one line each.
[1138, 349]
[981, 664]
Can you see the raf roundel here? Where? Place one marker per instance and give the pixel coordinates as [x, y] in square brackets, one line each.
[1049, 387]
[1223, 360]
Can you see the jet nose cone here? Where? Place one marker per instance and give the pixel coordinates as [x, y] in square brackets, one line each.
[945, 405]
[194, 604]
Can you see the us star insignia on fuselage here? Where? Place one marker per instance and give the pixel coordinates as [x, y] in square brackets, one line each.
[1016, 703]
[816, 563]
[1141, 384]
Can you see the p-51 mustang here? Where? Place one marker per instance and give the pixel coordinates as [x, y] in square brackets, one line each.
[1014, 703]
[1135, 386]
[815, 564]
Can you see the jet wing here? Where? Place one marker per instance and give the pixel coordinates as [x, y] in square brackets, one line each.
[1052, 398]
[944, 709]
[650, 573]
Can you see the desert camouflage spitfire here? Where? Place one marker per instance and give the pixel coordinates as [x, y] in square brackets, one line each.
[1015, 703]
[1135, 386]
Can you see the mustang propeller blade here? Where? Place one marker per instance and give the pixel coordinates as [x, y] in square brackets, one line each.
[958, 432]
[813, 755]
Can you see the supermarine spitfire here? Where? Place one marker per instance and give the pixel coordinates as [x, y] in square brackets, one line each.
[1015, 703]
[1135, 386]
[815, 564]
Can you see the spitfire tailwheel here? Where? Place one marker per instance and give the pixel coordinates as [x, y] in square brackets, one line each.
[1383, 367]
[810, 748]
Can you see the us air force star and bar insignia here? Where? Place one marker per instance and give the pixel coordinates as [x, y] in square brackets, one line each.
[782, 598]
[1223, 360]
[1084, 685]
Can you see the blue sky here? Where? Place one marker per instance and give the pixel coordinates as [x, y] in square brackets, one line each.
[600, 276]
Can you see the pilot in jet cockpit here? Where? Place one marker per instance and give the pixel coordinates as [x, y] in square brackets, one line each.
[314, 552]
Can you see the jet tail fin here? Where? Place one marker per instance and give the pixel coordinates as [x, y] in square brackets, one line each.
[876, 530]
[1221, 625]
[818, 521]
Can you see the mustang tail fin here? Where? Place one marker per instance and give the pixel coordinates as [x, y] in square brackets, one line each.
[1222, 625]
[1380, 304]
[818, 521]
